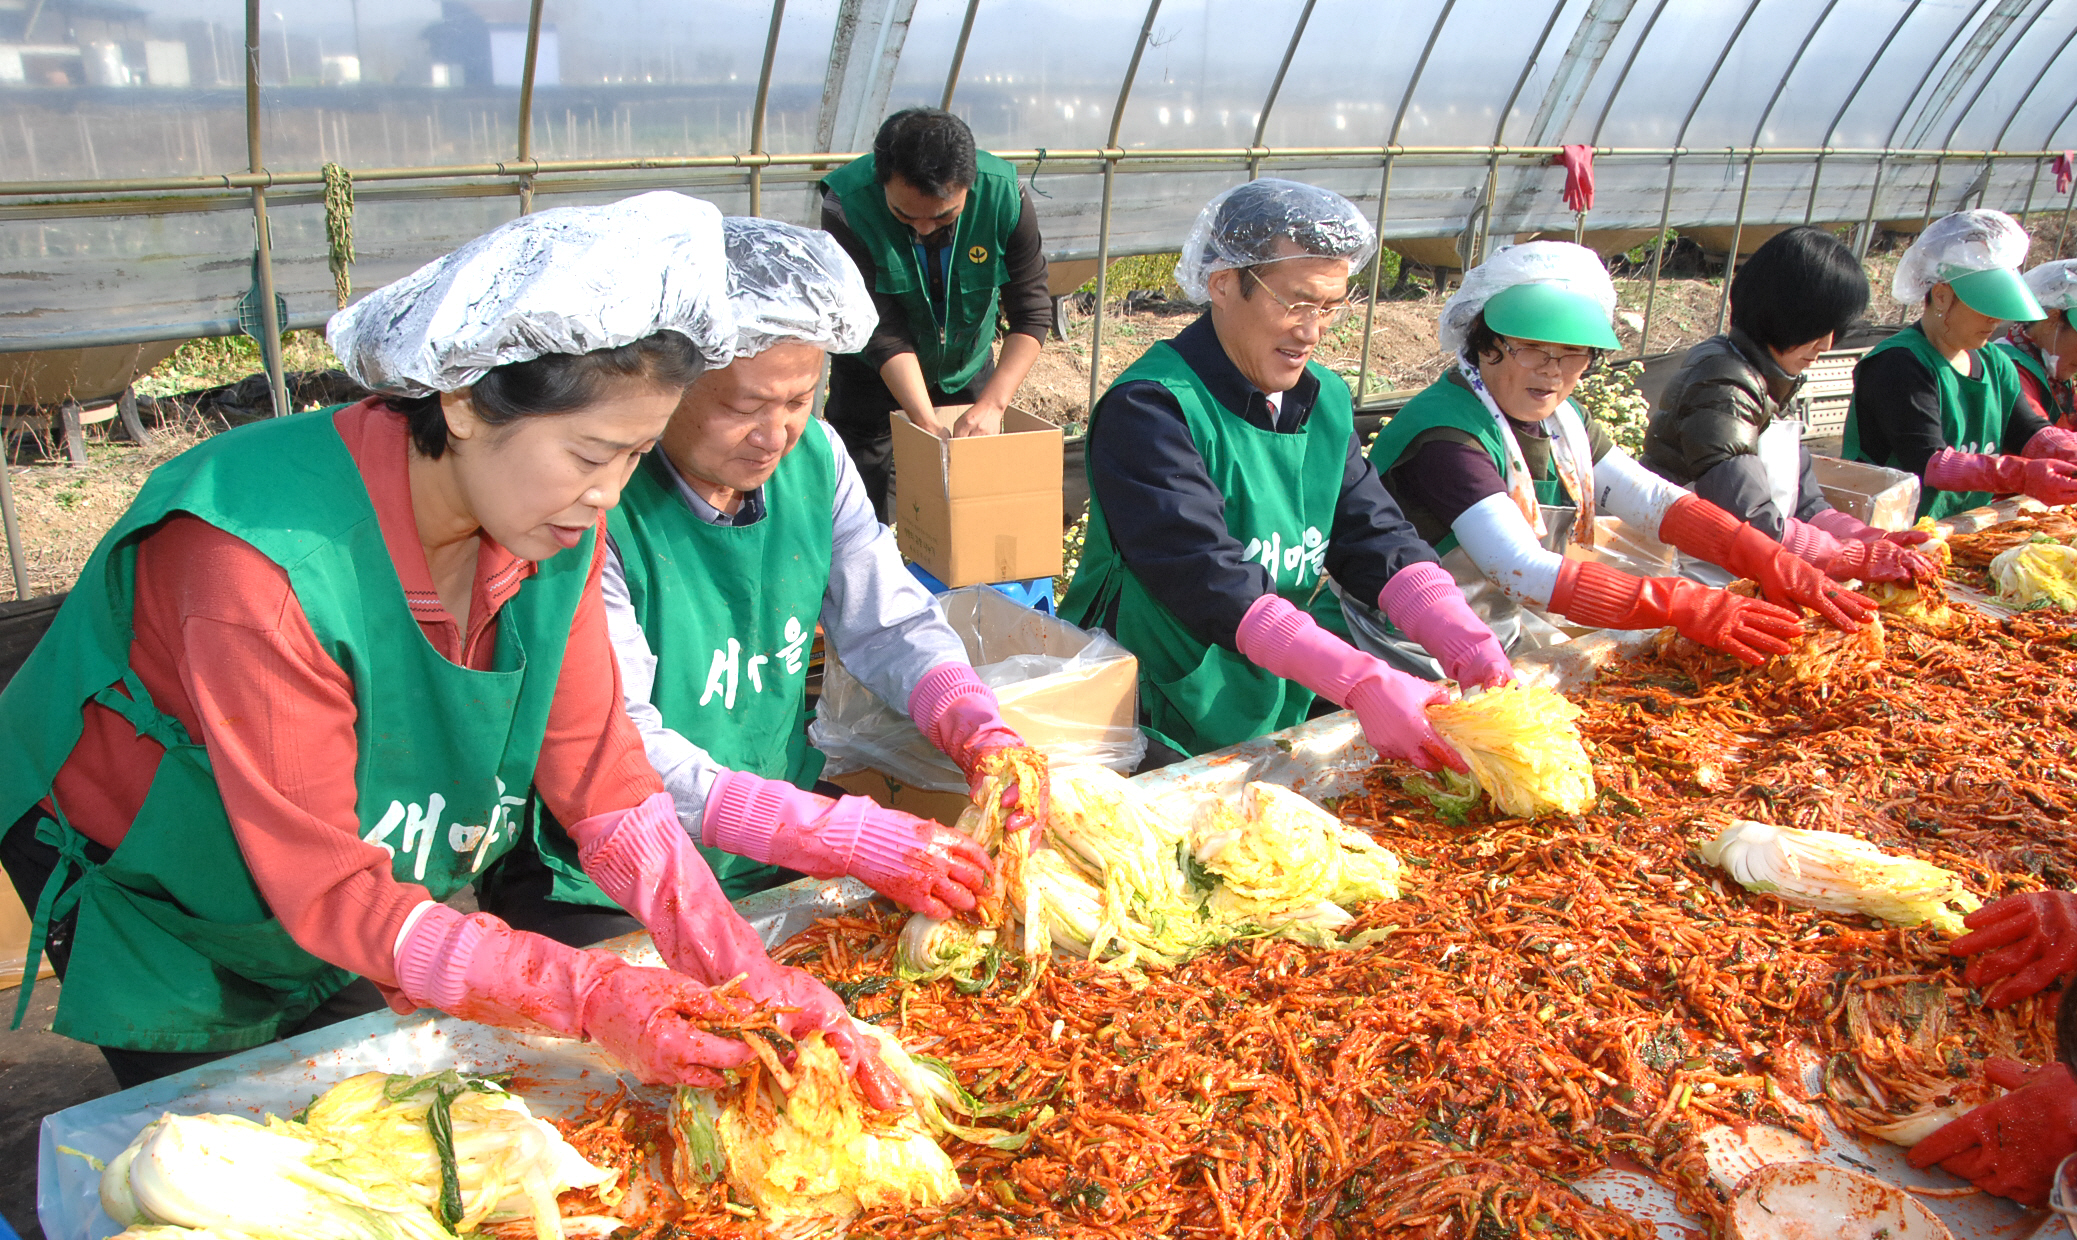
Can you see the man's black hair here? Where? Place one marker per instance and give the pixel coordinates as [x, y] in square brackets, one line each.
[552, 383]
[929, 148]
[1802, 284]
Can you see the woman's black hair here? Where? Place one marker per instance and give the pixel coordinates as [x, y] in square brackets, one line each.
[1801, 285]
[552, 383]
[1481, 341]
[929, 148]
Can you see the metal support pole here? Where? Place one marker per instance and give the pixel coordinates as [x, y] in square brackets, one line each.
[1723, 304]
[2033, 182]
[1932, 192]
[1817, 174]
[764, 94]
[2062, 240]
[966, 31]
[526, 105]
[1384, 199]
[1867, 237]
[1482, 239]
[1651, 292]
[1103, 227]
[1276, 85]
[270, 323]
[15, 558]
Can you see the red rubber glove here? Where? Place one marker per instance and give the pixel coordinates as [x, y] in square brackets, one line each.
[648, 1020]
[644, 861]
[1423, 602]
[923, 866]
[1747, 628]
[2051, 481]
[2025, 943]
[1391, 705]
[2051, 443]
[2010, 1146]
[958, 713]
[1707, 532]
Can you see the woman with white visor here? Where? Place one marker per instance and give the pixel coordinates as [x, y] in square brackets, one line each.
[1500, 472]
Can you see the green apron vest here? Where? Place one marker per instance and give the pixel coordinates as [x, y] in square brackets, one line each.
[1972, 414]
[2032, 365]
[952, 342]
[175, 948]
[1443, 403]
[1281, 494]
[729, 611]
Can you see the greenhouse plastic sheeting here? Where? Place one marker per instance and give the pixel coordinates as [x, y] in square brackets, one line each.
[1320, 758]
[100, 93]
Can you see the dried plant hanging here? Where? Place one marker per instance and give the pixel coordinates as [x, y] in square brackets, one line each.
[339, 229]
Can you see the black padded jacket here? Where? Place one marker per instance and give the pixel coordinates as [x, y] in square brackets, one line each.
[1705, 431]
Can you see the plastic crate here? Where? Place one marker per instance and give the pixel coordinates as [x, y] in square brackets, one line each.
[1827, 391]
[1036, 593]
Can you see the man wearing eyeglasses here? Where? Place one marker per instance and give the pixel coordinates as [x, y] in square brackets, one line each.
[1501, 473]
[1227, 487]
[946, 239]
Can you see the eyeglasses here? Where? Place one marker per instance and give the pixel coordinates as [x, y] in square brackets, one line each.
[1305, 313]
[1529, 357]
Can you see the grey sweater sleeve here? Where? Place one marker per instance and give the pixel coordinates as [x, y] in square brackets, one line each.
[878, 618]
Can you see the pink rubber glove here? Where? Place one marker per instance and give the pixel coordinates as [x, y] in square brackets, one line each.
[648, 1020]
[958, 713]
[1846, 527]
[1808, 543]
[1392, 706]
[2010, 1146]
[2026, 943]
[2051, 443]
[919, 864]
[2051, 481]
[1423, 602]
[644, 862]
[1881, 560]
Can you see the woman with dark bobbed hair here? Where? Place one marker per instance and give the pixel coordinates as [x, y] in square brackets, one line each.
[1722, 430]
[307, 683]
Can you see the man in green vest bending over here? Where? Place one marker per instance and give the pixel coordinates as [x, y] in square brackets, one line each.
[947, 240]
[1227, 486]
[728, 546]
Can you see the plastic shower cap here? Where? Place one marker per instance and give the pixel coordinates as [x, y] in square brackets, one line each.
[569, 280]
[2054, 284]
[790, 283]
[1250, 223]
[1573, 268]
[1954, 246]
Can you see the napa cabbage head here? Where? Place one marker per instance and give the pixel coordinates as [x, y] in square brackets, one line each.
[1840, 874]
[1523, 748]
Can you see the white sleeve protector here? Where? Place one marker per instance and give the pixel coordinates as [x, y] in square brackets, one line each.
[1501, 543]
[1623, 488]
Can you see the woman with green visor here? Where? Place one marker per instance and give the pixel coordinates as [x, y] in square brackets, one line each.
[1935, 401]
[305, 682]
[1501, 473]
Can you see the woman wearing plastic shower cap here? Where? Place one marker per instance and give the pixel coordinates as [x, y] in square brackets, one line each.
[1934, 401]
[728, 544]
[1227, 484]
[1501, 472]
[1725, 427]
[305, 684]
[2045, 350]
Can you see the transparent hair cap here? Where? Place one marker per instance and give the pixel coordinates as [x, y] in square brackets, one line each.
[567, 280]
[1956, 245]
[2054, 284]
[1574, 268]
[1261, 221]
[791, 283]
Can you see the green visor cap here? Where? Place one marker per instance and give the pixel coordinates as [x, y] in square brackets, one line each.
[1550, 314]
[1999, 293]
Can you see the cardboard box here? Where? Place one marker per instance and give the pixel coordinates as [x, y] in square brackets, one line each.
[944, 807]
[983, 509]
[14, 940]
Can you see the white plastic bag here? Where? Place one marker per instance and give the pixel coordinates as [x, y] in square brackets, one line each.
[1070, 692]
